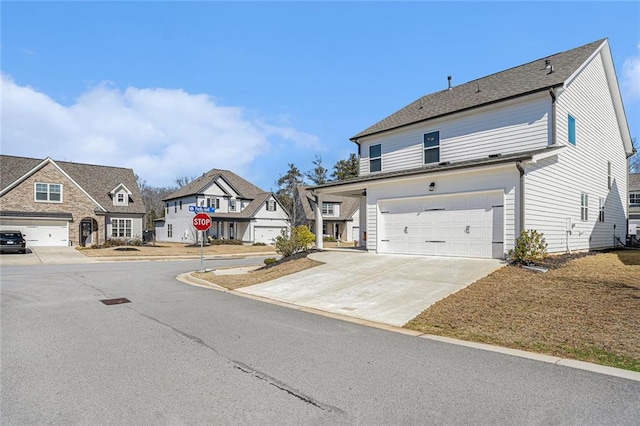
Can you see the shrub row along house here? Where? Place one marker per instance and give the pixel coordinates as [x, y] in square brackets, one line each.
[463, 171]
[243, 211]
[59, 203]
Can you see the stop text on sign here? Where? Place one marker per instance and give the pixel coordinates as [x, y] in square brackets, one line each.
[201, 222]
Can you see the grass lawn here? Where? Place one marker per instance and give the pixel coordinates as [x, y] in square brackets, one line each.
[278, 270]
[587, 309]
[174, 249]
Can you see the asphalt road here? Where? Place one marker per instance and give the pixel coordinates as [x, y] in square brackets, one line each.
[180, 354]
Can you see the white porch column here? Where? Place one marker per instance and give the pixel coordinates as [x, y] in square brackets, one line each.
[318, 211]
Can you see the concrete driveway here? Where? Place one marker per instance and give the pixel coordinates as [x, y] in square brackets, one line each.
[45, 255]
[390, 289]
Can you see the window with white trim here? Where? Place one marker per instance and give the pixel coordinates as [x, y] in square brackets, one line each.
[584, 206]
[601, 210]
[634, 198]
[48, 192]
[232, 205]
[431, 146]
[271, 206]
[375, 158]
[170, 230]
[327, 208]
[609, 180]
[121, 228]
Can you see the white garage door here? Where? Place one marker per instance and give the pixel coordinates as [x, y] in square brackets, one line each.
[266, 234]
[40, 232]
[468, 225]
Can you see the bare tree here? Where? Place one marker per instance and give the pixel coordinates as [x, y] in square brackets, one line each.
[634, 161]
[184, 180]
[286, 189]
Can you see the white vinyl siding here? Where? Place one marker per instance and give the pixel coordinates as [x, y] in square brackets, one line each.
[554, 185]
[504, 180]
[512, 127]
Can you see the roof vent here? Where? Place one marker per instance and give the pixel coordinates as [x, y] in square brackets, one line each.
[494, 155]
[449, 81]
[548, 66]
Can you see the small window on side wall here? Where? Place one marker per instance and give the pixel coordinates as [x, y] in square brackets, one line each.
[431, 145]
[375, 158]
[609, 179]
[571, 126]
[584, 207]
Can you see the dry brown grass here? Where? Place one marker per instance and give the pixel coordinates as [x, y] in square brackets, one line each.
[258, 276]
[176, 249]
[587, 309]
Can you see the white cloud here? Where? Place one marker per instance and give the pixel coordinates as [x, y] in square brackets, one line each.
[631, 78]
[160, 133]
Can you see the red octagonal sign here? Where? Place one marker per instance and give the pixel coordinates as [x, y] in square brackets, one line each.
[202, 222]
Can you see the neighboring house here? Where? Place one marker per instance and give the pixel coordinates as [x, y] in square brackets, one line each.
[341, 215]
[462, 171]
[242, 210]
[634, 204]
[58, 203]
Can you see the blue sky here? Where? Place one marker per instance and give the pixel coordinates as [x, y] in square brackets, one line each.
[177, 88]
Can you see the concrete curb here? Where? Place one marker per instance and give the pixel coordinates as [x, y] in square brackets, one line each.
[565, 362]
[105, 259]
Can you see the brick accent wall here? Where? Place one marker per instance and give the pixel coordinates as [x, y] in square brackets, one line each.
[74, 201]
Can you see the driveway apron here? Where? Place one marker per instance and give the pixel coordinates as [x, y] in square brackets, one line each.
[390, 289]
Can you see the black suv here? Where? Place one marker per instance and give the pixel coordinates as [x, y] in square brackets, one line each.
[12, 242]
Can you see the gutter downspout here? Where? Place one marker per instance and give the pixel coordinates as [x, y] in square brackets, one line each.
[552, 92]
[521, 170]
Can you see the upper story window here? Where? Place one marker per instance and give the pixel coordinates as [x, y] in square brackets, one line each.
[167, 207]
[571, 127]
[175, 207]
[120, 198]
[431, 145]
[232, 205]
[48, 192]
[328, 209]
[271, 206]
[609, 179]
[601, 210]
[634, 198]
[180, 204]
[375, 158]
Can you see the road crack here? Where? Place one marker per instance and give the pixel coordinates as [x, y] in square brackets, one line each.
[247, 369]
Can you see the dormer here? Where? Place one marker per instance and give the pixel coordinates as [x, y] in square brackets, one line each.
[120, 195]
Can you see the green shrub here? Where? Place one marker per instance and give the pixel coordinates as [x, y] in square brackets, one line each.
[214, 242]
[530, 248]
[116, 242]
[299, 240]
[328, 239]
[270, 260]
[258, 244]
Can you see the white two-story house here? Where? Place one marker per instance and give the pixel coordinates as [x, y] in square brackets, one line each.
[463, 171]
[242, 211]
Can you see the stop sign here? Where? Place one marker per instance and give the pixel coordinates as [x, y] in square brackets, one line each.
[202, 222]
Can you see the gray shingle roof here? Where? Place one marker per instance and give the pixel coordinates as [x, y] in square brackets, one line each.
[518, 81]
[96, 180]
[348, 205]
[634, 181]
[249, 211]
[245, 188]
[487, 161]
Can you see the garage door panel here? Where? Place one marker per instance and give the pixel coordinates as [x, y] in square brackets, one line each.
[265, 234]
[40, 232]
[466, 225]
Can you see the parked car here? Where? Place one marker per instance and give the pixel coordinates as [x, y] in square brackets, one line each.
[12, 242]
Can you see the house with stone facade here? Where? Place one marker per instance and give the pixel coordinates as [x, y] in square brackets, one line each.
[60, 203]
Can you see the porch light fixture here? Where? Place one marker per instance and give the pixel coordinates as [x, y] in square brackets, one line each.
[432, 186]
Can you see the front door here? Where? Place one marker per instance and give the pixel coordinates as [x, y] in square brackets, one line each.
[86, 229]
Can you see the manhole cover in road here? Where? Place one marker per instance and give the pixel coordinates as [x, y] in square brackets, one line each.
[118, 301]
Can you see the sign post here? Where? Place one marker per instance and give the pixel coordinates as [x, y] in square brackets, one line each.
[202, 222]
